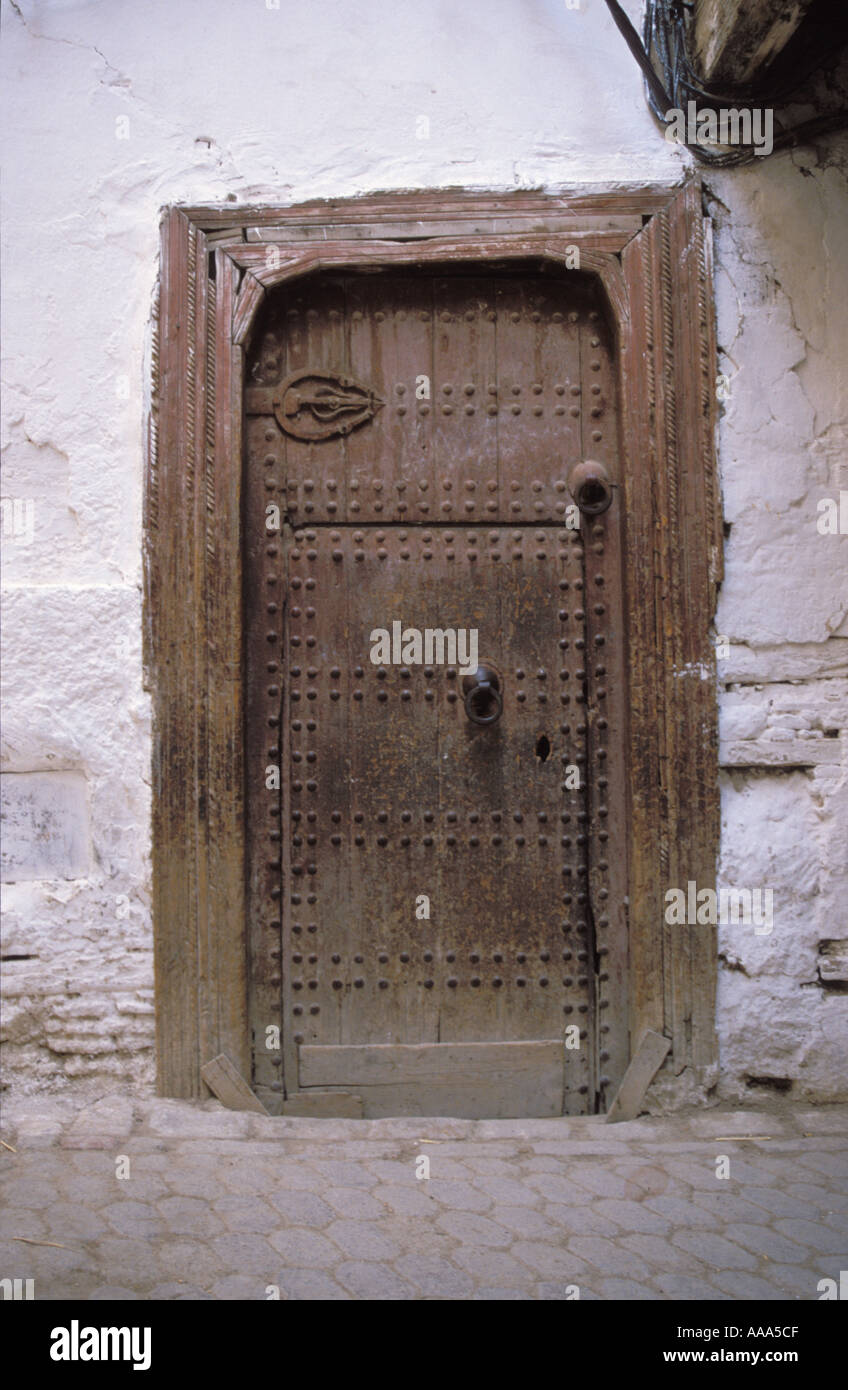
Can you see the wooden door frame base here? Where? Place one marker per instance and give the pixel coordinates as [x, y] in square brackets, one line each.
[650, 251]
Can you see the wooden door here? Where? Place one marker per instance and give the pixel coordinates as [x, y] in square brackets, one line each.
[426, 891]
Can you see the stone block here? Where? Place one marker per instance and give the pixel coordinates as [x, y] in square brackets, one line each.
[109, 1119]
[45, 826]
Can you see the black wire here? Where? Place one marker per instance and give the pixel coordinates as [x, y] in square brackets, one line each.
[665, 30]
[664, 34]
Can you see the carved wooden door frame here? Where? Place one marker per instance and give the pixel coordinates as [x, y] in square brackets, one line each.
[650, 251]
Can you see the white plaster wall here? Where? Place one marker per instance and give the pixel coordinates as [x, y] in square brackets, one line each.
[112, 110]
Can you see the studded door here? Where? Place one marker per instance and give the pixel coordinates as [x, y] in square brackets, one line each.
[428, 893]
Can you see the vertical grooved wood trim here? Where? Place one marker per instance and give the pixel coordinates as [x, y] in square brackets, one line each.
[196, 538]
[703, 239]
[641, 428]
[171, 618]
[696, 364]
[225, 983]
[673, 515]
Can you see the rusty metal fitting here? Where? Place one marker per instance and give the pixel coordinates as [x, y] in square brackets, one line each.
[590, 486]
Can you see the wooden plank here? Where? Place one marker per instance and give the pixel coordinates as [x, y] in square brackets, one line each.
[264, 566]
[605, 715]
[671, 561]
[229, 1085]
[698, 544]
[199, 462]
[468, 1080]
[304, 258]
[476, 1100]
[616, 230]
[438, 204]
[171, 630]
[640, 468]
[675, 557]
[224, 959]
[325, 1105]
[735, 40]
[394, 1064]
[650, 1054]
[490, 1101]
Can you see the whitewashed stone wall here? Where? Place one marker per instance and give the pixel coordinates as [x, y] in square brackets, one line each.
[112, 111]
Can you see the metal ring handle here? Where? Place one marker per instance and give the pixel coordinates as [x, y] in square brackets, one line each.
[491, 691]
[591, 487]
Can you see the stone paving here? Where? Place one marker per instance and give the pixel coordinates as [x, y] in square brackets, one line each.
[224, 1205]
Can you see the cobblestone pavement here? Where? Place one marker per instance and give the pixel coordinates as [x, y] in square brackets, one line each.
[220, 1205]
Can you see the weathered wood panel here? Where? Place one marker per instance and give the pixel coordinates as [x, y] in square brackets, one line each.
[171, 638]
[471, 1080]
[392, 1064]
[674, 566]
[225, 930]
[649, 1056]
[228, 1084]
[735, 40]
[489, 213]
